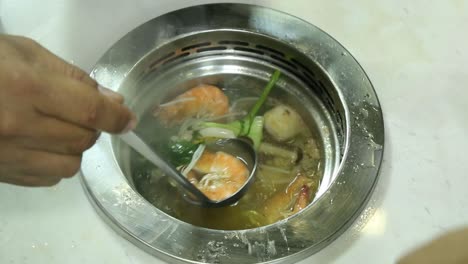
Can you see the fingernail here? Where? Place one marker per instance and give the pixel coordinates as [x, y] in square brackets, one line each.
[109, 93]
[131, 125]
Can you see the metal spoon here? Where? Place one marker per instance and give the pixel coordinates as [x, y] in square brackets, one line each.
[236, 147]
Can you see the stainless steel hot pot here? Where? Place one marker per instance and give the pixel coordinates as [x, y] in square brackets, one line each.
[214, 41]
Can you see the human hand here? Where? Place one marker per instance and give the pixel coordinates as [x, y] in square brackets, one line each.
[50, 113]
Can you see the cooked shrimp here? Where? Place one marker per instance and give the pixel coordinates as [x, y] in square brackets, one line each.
[222, 175]
[303, 199]
[201, 101]
[290, 201]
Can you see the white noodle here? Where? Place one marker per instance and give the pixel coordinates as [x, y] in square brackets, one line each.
[212, 177]
[196, 156]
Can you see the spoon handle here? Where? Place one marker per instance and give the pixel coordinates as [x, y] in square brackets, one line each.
[140, 146]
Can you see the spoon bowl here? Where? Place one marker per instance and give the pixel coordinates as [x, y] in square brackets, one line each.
[237, 147]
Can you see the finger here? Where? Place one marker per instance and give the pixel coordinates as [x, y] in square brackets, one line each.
[30, 181]
[71, 71]
[57, 136]
[49, 166]
[68, 70]
[45, 165]
[56, 64]
[72, 101]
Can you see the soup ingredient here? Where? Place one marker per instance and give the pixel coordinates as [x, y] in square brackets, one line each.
[191, 104]
[310, 156]
[179, 152]
[292, 156]
[196, 156]
[224, 174]
[290, 201]
[302, 199]
[218, 175]
[256, 131]
[283, 123]
[242, 127]
[216, 132]
[288, 171]
[201, 101]
[271, 170]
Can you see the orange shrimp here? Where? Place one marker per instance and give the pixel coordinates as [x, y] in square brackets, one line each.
[222, 175]
[302, 199]
[200, 101]
[288, 202]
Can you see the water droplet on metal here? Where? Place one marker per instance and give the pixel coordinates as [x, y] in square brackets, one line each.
[365, 113]
[355, 168]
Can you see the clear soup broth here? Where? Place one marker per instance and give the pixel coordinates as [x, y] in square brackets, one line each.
[290, 162]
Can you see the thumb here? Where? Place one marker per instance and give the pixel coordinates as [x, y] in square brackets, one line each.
[111, 94]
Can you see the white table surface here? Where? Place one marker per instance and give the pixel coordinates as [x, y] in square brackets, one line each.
[415, 53]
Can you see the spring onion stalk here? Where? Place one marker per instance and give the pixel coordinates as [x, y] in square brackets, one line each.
[236, 127]
[216, 132]
[253, 112]
[242, 127]
[256, 131]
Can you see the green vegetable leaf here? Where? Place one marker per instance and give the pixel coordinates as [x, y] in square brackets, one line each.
[180, 152]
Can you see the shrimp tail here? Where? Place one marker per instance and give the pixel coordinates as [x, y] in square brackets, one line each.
[302, 199]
